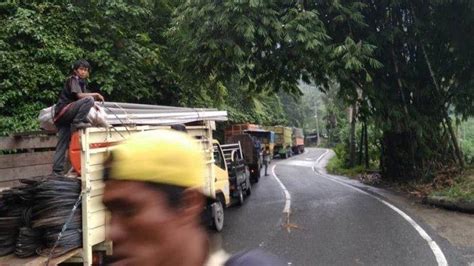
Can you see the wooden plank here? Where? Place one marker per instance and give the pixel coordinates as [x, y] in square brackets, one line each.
[9, 184]
[98, 158]
[25, 159]
[95, 204]
[11, 174]
[28, 142]
[37, 260]
[33, 133]
[97, 188]
[96, 175]
[97, 219]
[96, 235]
[95, 172]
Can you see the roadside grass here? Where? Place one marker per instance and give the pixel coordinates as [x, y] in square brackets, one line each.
[336, 166]
[462, 188]
[455, 188]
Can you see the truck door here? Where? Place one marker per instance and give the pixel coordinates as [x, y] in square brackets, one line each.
[221, 174]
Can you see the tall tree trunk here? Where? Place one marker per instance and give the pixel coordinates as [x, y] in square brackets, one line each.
[445, 114]
[382, 156]
[361, 146]
[407, 114]
[352, 140]
[366, 146]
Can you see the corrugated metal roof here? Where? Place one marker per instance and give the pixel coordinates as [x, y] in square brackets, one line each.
[145, 114]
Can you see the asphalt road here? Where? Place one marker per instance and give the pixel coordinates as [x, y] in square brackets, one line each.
[330, 222]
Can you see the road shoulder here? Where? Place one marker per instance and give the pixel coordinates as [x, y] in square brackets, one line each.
[455, 227]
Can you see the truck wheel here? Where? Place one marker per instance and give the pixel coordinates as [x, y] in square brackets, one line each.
[241, 197]
[218, 219]
[255, 178]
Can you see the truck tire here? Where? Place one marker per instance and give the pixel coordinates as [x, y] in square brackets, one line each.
[257, 176]
[255, 179]
[241, 198]
[218, 217]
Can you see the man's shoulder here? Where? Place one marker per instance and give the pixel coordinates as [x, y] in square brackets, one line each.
[254, 257]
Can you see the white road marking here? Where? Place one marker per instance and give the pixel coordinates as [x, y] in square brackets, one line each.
[286, 209]
[298, 163]
[440, 258]
[322, 156]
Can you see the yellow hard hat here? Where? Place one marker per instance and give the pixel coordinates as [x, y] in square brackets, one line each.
[159, 156]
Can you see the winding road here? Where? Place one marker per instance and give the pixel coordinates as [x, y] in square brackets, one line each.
[307, 217]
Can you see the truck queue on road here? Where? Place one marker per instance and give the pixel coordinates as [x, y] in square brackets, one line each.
[231, 168]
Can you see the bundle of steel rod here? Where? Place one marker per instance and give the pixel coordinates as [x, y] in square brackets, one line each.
[33, 215]
[144, 114]
[28, 239]
[54, 201]
[15, 213]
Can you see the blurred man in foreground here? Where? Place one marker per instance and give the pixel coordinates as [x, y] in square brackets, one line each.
[153, 189]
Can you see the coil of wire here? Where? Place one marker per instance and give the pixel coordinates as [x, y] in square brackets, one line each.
[54, 201]
[12, 204]
[34, 214]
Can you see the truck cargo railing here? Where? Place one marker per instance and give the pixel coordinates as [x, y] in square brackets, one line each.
[231, 150]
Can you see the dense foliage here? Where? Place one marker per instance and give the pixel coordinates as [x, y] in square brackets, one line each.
[403, 70]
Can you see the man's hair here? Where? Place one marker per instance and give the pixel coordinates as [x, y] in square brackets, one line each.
[81, 63]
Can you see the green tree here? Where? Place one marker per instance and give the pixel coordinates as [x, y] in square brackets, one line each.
[39, 40]
[427, 71]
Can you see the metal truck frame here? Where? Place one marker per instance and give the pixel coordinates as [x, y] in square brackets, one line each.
[239, 176]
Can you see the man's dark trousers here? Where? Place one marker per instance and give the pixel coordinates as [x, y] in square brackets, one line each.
[75, 113]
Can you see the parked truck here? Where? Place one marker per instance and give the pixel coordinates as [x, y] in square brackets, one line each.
[239, 176]
[283, 141]
[237, 129]
[252, 152]
[297, 141]
[266, 138]
[91, 146]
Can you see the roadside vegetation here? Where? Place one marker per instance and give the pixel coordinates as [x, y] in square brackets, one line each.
[387, 84]
[462, 188]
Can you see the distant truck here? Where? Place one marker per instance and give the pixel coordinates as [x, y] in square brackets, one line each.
[252, 153]
[266, 138]
[283, 141]
[238, 129]
[239, 176]
[297, 141]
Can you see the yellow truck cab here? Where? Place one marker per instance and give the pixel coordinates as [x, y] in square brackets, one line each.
[221, 187]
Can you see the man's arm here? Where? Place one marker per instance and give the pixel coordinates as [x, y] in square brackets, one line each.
[95, 95]
[76, 89]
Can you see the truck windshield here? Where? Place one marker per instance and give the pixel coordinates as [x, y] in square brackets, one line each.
[218, 159]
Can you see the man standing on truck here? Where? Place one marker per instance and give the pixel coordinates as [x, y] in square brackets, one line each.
[153, 190]
[72, 109]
